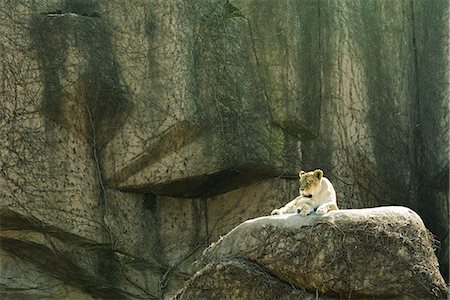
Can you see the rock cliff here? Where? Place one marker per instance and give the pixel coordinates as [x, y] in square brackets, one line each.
[133, 133]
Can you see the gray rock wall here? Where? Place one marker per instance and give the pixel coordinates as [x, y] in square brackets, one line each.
[135, 133]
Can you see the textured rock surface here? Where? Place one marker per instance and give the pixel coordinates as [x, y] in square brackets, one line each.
[134, 133]
[381, 253]
[21, 280]
[239, 279]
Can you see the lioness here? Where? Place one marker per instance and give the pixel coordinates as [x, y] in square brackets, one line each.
[316, 192]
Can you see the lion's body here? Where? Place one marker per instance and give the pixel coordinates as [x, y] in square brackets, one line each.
[316, 193]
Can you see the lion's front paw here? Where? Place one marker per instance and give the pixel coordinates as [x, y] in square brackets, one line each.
[321, 210]
[275, 212]
[304, 211]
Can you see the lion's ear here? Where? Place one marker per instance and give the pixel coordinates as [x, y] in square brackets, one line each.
[301, 173]
[318, 173]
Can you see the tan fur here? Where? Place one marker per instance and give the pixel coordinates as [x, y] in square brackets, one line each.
[323, 195]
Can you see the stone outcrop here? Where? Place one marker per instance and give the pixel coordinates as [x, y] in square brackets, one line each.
[135, 133]
[375, 253]
[239, 279]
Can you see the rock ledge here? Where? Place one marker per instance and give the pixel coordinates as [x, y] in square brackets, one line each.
[383, 252]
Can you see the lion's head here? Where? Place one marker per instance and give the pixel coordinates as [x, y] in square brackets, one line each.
[310, 181]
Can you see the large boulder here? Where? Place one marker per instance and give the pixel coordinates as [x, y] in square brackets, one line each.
[383, 252]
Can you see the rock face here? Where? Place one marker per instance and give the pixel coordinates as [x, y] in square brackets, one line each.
[239, 279]
[135, 133]
[380, 253]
